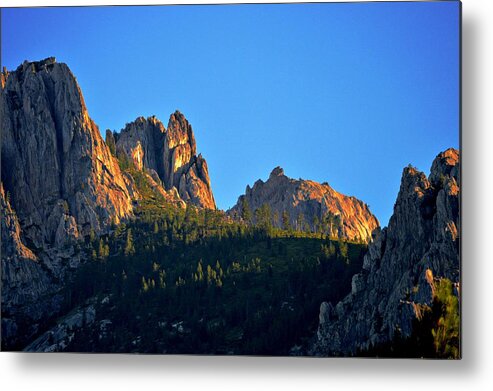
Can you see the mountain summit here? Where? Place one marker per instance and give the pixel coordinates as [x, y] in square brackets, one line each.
[308, 205]
[169, 153]
[56, 167]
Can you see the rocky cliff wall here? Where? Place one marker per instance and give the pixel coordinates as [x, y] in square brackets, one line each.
[61, 177]
[423, 234]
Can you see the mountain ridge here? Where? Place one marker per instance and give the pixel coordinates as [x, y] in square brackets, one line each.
[64, 192]
[308, 205]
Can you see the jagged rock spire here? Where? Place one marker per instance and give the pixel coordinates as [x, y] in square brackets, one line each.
[421, 240]
[171, 153]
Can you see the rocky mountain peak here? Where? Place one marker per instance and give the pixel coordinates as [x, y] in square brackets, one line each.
[180, 132]
[309, 206]
[421, 240]
[60, 183]
[445, 165]
[55, 164]
[276, 172]
[171, 153]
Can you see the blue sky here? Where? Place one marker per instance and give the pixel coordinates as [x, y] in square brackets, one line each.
[344, 93]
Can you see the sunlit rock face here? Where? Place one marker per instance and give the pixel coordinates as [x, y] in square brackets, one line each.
[421, 241]
[342, 216]
[171, 153]
[59, 182]
[55, 165]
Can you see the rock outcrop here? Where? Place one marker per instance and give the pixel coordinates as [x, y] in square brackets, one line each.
[169, 154]
[421, 241]
[311, 204]
[59, 183]
[24, 279]
[62, 179]
[59, 336]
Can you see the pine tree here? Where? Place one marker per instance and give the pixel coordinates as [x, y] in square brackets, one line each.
[101, 250]
[300, 221]
[162, 278]
[200, 271]
[210, 274]
[145, 286]
[263, 218]
[110, 142]
[246, 213]
[129, 244]
[92, 235]
[446, 333]
[285, 221]
[343, 249]
[316, 224]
